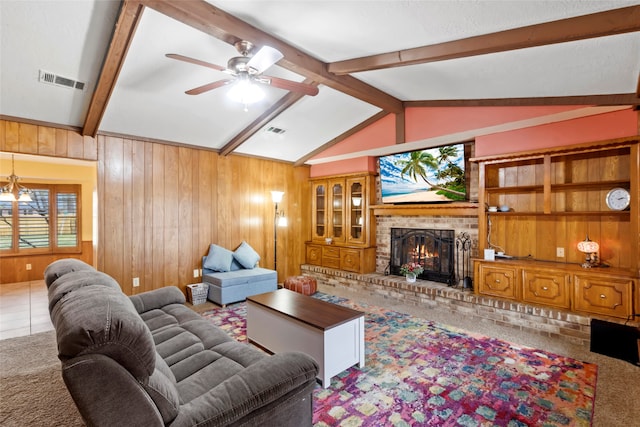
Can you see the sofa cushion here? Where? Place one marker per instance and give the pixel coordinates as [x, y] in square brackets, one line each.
[218, 259]
[63, 266]
[76, 280]
[246, 255]
[162, 390]
[158, 298]
[240, 277]
[235, 265]
[102, 320]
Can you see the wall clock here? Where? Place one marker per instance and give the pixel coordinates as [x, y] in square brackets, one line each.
[618, 199]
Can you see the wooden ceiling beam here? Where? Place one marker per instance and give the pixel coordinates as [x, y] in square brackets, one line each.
[613, 99]
[601, 24]
[274, 111]
[130, 13]
[217, 23]
[400, 128]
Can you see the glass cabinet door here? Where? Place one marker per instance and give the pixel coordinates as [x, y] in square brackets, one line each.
[357, 202]
[319, 209]
[337, 211]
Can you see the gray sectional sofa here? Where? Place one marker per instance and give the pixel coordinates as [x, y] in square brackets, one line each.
[148, 360]
[234, 276]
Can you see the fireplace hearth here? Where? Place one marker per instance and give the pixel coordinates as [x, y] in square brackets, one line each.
[432, 248]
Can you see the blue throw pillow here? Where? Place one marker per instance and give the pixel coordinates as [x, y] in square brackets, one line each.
[246, 255]
[235, 265]
[218, 259]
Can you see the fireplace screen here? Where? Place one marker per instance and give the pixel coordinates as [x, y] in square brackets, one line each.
[433, 249]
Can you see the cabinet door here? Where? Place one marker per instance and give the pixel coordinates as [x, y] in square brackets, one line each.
[357, 220]
[350, 259]
[319, 211]
[497, 281]
[603, 295]
[547, 287]
[336, 210]
[314, 254]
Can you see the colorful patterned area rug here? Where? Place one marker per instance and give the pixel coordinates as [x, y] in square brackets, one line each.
[420, 373]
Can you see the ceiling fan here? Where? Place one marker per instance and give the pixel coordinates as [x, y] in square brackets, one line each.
[246, 70]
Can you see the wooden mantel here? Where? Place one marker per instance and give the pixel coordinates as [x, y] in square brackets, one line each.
[431, 209]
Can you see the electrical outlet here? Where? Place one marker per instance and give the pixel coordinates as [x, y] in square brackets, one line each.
[200, 271]
[195, 273]
[560, 252]
[136, 282]
[28, 266]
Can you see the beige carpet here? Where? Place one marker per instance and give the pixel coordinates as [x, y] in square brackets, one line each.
[32, 392]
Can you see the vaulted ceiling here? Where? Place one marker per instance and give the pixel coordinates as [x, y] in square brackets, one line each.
[368, 59]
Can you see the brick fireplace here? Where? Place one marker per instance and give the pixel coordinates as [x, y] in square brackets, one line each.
[458, 224]
[432, 249]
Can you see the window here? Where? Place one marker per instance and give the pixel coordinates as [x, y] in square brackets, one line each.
[50, 223]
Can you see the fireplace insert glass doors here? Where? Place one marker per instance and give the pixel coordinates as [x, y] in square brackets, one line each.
[433, 249]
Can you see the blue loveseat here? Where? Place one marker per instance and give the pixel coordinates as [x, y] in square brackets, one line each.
[234, 276]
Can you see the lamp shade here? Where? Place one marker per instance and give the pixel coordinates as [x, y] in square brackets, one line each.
[276, 196]
[25, 197]
[588, 246]
[6, 196]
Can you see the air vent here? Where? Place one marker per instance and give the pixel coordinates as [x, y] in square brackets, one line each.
[54, 79]
[273, 129]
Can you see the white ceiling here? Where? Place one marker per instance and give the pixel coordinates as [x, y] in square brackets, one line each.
[71, 38]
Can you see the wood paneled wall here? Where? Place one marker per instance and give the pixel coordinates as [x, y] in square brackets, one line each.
[13, 269]
[161, 206]
[26, 138]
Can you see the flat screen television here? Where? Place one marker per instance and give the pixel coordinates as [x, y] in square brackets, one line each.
[432, 175]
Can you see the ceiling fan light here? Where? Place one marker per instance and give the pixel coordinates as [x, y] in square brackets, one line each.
[245, 92]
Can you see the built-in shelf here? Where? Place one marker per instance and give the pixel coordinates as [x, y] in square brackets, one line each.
[570, 213]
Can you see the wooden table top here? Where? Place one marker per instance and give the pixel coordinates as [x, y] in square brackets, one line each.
[312, 311]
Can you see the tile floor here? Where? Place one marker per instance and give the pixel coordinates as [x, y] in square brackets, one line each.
[24, 309]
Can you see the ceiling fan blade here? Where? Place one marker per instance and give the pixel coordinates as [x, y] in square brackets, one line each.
[208, 87]
[305, 88]
[194, 61]
[265, 58]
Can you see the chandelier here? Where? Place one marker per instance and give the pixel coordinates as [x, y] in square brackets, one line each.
[8, 192]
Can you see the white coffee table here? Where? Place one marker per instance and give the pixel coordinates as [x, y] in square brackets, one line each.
[284, 320]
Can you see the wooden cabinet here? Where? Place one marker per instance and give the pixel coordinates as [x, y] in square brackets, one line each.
[554, 198]
[611, 296]
[340, 211]
[357, 260]
[498, 281]
[604, 291]
[546, 286]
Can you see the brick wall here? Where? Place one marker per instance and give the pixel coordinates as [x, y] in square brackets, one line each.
[571, 327]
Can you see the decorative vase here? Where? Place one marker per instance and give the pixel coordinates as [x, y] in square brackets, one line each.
[411, 277]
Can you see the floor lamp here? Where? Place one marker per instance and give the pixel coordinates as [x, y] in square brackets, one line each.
[278, 220]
